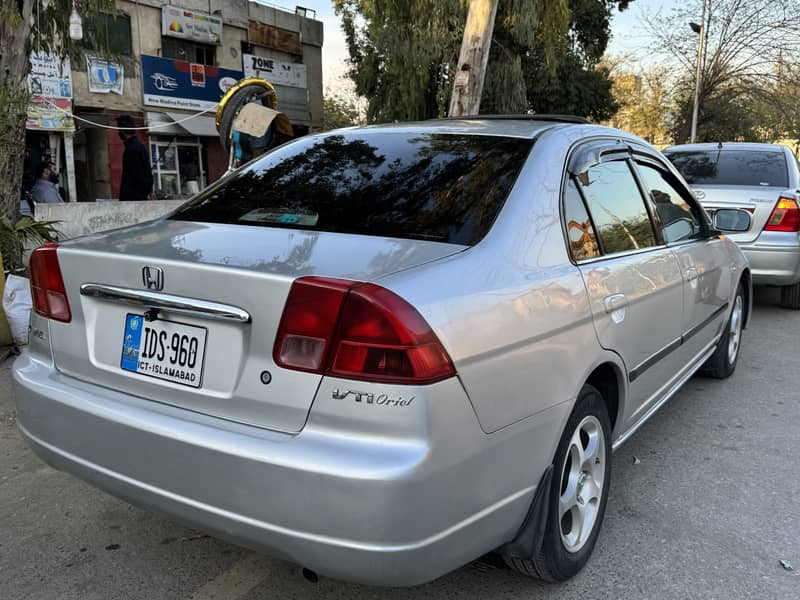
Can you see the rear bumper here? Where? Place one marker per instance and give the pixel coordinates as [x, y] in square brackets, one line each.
[372, 510]
[773, 264]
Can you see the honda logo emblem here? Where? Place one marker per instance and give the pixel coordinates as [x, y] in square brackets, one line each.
[153, 278]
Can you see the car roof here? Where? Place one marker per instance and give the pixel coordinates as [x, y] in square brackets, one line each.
[520, 126]
[748, 146]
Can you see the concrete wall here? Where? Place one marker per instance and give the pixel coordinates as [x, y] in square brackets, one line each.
[83, 218]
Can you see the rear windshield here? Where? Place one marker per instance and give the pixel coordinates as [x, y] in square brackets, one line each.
[445, 188]
[732, 167]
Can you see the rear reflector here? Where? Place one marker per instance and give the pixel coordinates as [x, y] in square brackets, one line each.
[47, 286]
[357, 331]
[785, 216]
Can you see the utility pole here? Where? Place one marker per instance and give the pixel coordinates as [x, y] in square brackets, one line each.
[468, 85]
[699, 74]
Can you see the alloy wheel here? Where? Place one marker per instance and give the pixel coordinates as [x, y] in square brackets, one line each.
[582, 482]
[735, 334]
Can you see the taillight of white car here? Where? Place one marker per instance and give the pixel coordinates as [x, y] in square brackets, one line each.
[360, 331]
[47, 285]
[785, 216]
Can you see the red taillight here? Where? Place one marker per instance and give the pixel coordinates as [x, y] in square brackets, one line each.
[47, 286]
[785, 216]
[357, 331]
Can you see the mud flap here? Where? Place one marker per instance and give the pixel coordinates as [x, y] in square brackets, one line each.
[528, 541]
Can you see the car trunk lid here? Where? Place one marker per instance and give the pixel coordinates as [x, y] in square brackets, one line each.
[223, 289]
[759, 201]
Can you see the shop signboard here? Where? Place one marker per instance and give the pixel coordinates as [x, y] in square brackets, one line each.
[190, 25]
[273, 37]
[104, 75]
[52, 114]
[50, 87]
[50, 76]
[179, 84]
[275, 71]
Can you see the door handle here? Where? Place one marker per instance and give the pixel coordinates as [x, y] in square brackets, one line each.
[615, 302]
[691, 274]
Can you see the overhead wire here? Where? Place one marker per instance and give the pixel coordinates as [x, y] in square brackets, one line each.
[147, 128]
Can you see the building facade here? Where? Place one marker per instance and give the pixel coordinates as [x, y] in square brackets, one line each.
[171, 65]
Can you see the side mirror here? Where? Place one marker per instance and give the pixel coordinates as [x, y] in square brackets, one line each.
[733, 220]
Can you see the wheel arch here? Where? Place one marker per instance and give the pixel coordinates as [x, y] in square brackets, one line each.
[608, 378]
[747, 280]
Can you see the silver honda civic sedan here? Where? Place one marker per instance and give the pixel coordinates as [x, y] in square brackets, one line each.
[382, 352]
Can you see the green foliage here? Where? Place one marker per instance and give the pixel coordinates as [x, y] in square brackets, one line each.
[543, 56]
[643, 103]
[338, 112]
[50, 24]
[401, 53]
[25, 233]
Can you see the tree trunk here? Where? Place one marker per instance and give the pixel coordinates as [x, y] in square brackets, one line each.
[15, 27]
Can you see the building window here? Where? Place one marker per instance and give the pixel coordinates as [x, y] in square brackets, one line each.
[179, 166]
[203, 54]
[108, 34]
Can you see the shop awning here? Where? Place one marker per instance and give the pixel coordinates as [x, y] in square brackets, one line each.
[175, 123]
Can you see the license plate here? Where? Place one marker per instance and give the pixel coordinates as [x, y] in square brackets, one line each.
[164, 349]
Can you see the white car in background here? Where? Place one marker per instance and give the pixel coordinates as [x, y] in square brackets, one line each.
[764, 180]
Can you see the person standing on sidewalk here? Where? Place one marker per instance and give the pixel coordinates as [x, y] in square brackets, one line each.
[137, 177]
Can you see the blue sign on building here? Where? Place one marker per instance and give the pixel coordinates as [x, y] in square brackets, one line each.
[179, 84]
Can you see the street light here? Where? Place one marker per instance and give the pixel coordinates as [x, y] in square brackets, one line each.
[701, 30]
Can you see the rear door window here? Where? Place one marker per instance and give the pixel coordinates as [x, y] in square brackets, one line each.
[617, 207]
[732, 167]
[419, 185]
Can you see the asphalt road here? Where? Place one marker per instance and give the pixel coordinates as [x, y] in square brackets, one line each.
[705, 502]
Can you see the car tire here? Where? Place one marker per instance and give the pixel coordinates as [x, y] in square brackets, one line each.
[790, 296]
[578, 495]
[722, 363]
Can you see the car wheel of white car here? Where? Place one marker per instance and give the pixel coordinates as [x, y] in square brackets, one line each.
[722, 363]
[578, 492]
[790, 296]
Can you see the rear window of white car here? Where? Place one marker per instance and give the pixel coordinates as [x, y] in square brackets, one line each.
[731, 167]
[439, 187]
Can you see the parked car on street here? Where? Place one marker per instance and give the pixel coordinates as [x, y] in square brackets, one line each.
[382, 352]
[764, 180]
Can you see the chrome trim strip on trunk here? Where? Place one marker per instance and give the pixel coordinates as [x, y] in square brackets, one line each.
[159, 301]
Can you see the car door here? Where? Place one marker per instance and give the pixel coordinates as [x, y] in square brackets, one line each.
[633, 279]
[704, 262]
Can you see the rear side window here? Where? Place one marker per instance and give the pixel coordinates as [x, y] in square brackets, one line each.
[732, 167]
[580, 231]
[617, 207]
[440, 187]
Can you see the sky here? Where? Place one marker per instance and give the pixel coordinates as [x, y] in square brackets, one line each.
[627, 36]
